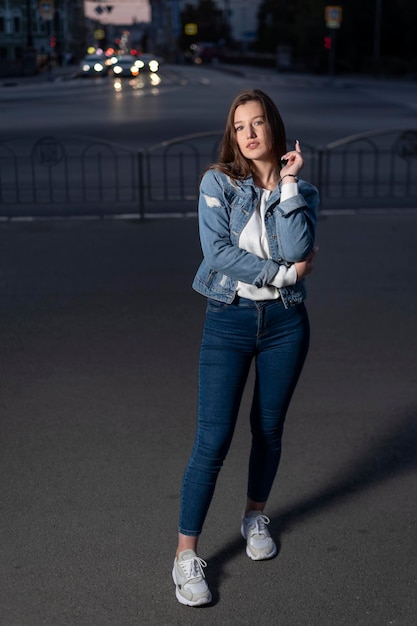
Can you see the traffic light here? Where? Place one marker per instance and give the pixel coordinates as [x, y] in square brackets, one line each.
[328, 43]
[52, 41]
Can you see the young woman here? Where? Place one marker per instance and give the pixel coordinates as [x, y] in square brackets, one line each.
[257, 224]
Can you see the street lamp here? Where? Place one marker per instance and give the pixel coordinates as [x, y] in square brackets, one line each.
[29, 38]
[377, 30]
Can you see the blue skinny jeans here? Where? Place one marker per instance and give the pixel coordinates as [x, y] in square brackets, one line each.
[234, 335]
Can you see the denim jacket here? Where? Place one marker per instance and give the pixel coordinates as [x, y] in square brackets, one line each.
[225, 206]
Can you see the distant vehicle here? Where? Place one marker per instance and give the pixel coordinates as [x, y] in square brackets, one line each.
[94, 65]
[125, 66]
[148, 63]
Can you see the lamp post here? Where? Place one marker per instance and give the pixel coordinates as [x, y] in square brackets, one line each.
[377, 32]
[29, 65]
[333, 18]
[227, 12]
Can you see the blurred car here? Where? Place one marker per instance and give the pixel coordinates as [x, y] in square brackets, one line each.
[94, 65]
[148, 63]
[125, 66]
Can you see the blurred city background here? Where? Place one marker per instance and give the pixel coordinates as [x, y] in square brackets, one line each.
[375, 37]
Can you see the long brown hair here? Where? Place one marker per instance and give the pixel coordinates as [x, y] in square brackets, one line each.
[231, 160]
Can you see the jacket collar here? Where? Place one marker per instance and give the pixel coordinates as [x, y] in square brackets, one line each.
[249, 182]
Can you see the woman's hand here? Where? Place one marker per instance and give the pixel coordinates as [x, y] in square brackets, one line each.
[292, 163]
[304, 268]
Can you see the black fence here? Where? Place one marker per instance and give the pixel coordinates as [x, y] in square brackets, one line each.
[79, 176]
[69, 176]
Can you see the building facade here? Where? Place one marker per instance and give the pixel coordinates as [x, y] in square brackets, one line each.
[165, 27]
[241, 16]
[35, 33]
[243, 19]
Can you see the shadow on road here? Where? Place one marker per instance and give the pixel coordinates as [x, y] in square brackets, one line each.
[395, 453]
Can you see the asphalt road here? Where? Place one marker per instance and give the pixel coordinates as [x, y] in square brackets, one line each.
[193, 99]
[99, 344]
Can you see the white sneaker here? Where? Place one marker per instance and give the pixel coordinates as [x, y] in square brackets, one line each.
[190, 587]
[259, 543]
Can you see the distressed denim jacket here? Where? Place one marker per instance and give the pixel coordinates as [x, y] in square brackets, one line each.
[225, 206]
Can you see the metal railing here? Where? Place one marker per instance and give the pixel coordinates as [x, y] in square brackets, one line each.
[78, 176]
[174, 169]
[372, 169]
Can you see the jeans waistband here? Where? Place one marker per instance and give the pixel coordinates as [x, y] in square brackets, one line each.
[239, 301]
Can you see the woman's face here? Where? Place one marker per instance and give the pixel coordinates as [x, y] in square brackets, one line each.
[252, 131]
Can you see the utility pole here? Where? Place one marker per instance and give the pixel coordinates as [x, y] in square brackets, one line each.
[29, 34]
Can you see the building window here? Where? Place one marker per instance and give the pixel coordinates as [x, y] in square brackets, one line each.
[16, 24]
[3, 54]
[18, 53]
[42, 26]
[2, 24]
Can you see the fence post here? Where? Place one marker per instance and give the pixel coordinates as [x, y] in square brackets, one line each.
[141, 184]
[320, 174]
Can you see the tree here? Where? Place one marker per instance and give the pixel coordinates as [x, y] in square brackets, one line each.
[297, 24]
[300, 24]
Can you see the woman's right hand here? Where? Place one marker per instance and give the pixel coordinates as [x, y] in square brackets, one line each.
[305, 267]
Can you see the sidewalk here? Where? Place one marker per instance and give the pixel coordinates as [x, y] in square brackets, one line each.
[100, 333]
[66, 72]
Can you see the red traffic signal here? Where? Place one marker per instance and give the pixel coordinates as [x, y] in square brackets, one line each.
[52, 41]
[328, 43]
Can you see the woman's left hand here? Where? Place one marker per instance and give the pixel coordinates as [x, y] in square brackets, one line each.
[304, 268]
[294, 162]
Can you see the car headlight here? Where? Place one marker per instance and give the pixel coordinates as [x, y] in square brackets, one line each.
[139, 64]
[117, 69]
[85, 67]
[98, 67]
[153, 66]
